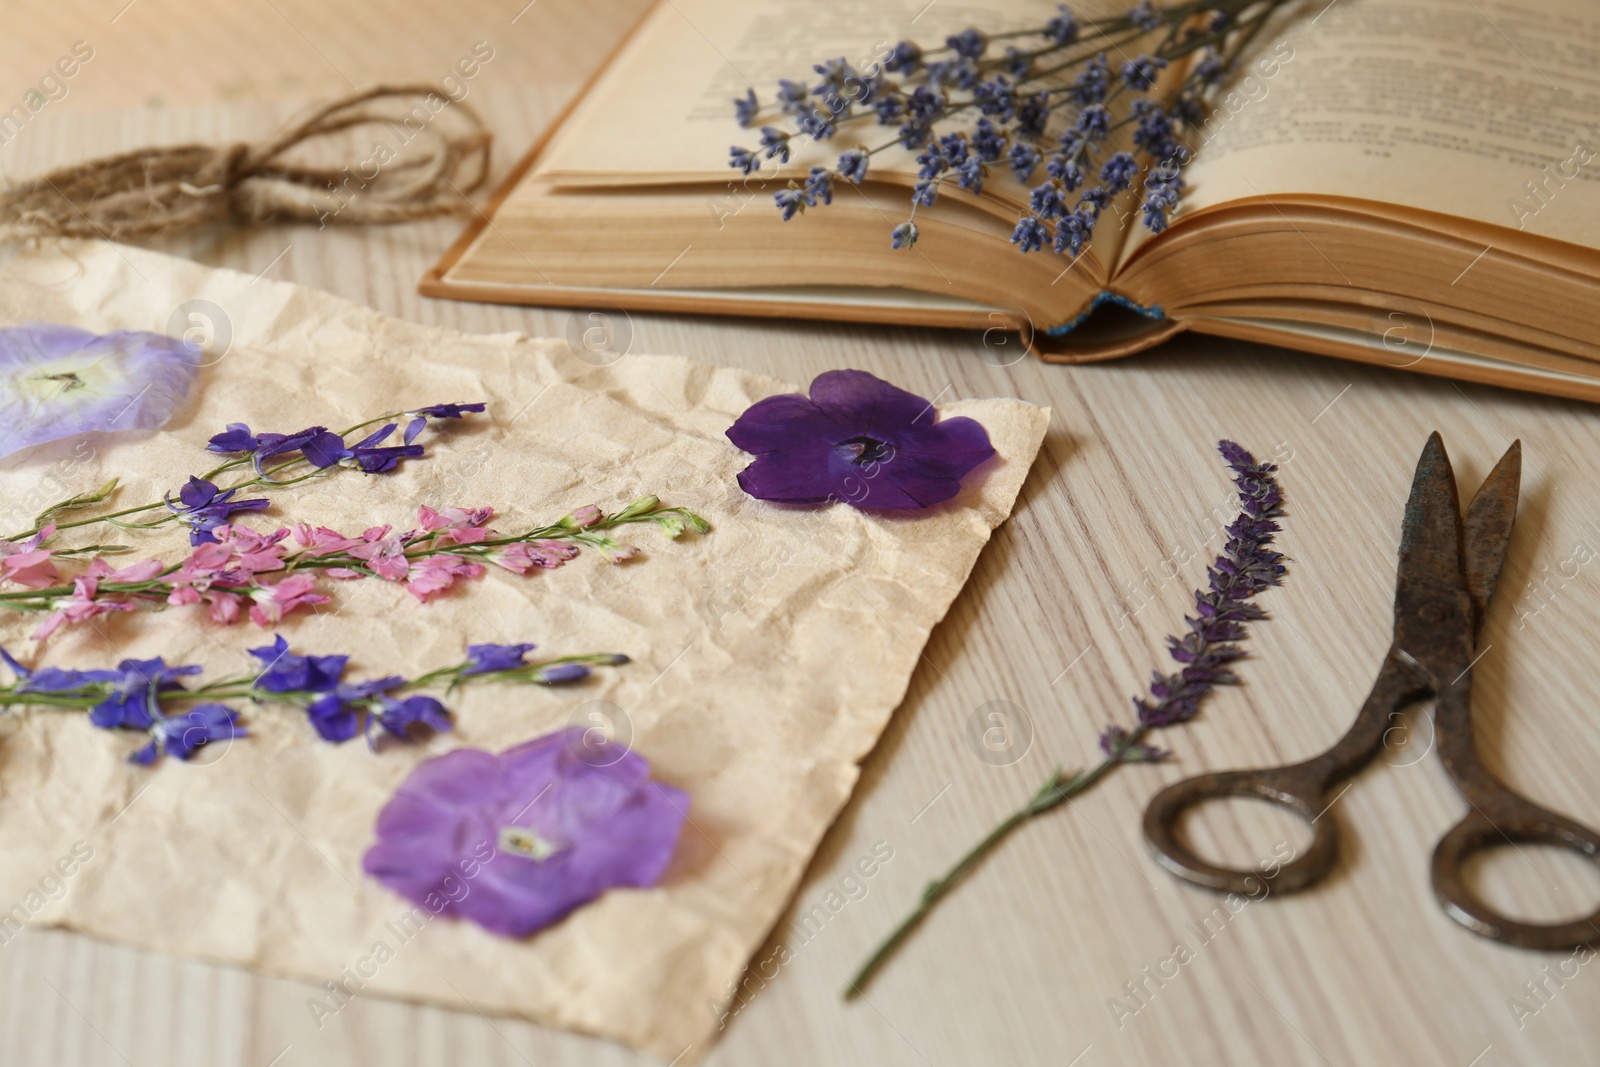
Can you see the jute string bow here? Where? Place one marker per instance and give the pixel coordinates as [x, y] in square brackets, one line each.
[423, 161]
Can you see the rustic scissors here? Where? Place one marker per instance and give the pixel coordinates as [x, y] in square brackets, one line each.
[1447, 573]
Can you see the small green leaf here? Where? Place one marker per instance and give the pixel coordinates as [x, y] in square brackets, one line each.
[79, 501]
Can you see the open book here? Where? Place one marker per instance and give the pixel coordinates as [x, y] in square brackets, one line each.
[1411, 183]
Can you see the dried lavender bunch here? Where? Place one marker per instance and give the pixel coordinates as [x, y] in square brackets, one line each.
[1246, 566]
[1052, 99]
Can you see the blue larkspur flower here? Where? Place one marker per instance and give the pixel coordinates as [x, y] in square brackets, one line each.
[132, 701]
[285, 672]
[398, 717]
[369, 454]
[60, 381]
[202, 507]
[420, 416]
[482, 659]
[185, 733]
[54, 679]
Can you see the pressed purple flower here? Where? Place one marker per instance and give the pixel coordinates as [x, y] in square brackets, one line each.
[858, 439]
[54, 679]
[399, 717]
[285, 672]
[203, 507]
[182, 735]
[135, 688]
[563, 673]
[420, 417]
[336, 714]
[534, 832]
[482, 659]
[60, 381]
[369, 454]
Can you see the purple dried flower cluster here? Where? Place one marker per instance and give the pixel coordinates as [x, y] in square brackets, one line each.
[136, 695]
[1209, 647]
[971, 106]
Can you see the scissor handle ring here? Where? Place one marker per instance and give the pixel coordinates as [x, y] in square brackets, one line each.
[1517, 821]
[1297, 788]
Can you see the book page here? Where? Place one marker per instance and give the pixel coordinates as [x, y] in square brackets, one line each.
[664, 110]
[1482, 109]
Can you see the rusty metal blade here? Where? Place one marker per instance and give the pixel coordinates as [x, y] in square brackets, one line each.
[1490, 517]
[1430, 551]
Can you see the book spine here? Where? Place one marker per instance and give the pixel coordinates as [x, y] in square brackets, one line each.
[1101, 299]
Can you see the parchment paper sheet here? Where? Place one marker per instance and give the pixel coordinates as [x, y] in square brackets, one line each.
[767, 656]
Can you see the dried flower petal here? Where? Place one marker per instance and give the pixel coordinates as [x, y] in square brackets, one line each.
[60, 381]
[534, 832]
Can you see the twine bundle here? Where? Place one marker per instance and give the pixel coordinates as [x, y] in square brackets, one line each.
[158, 191]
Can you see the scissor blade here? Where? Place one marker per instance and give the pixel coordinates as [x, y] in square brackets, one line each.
[1431, 587]
[1488, 531]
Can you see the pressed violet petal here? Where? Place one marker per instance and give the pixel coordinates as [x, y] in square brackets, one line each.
[780, 422]
[809, 474]
[863, 403]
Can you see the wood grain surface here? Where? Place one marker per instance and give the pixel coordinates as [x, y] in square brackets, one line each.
[1063, 621]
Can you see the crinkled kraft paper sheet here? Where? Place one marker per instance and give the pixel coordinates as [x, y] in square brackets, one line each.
[767, 656]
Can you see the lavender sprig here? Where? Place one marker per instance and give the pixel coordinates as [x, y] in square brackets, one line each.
[1207, 650]
[1056, 101]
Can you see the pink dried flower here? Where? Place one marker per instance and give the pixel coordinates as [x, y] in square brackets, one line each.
[142, 571]
[31, 570]
[586, 516]
[623, 552]
[523, 556]
[452, 518]
[321, 541]
[270, 603]
[436, 574]
[384, 555]
[82, 604]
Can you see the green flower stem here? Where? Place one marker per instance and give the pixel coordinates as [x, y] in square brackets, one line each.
[1057, 790]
